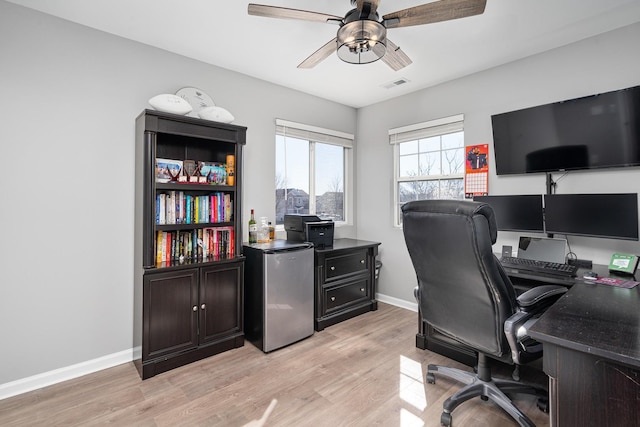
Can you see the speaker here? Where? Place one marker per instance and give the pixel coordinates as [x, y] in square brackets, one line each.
[506, 251]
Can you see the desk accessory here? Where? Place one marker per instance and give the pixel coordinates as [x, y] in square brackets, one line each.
[612, 281]
[507, 250]
[623, 263]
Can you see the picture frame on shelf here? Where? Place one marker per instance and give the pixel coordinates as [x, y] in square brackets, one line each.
[168, 170]
[214, 172]
[191, 171]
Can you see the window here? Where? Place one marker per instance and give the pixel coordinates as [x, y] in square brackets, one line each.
[428, 161]
[312, 167]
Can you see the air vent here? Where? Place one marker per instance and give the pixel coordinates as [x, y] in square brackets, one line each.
[395, 83]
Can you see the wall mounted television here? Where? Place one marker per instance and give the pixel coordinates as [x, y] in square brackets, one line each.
[597, 131]
[613, 216]
[516, 212]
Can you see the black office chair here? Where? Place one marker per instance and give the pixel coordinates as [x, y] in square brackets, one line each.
[464, 293]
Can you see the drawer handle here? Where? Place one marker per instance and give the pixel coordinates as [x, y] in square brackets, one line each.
[332, 268]
[195, 308]
[333, 298]
[361, 289]
[361, 261]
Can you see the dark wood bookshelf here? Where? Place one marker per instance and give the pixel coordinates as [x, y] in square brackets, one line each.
[185, 308]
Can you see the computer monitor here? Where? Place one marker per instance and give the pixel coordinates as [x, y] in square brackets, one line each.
[516, 212]
[542, 249]
[613, 216]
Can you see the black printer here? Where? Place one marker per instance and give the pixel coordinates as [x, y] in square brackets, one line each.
[309, 228]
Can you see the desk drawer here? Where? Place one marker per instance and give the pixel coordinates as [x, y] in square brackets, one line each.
[337, 267]
[340, 296]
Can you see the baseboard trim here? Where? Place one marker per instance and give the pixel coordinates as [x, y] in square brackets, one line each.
[397, 302]
[45, 379]
[63, 374]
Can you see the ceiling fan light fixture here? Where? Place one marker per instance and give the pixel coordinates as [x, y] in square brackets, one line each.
[362, 41]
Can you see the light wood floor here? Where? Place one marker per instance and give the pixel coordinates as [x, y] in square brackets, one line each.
[362, 372]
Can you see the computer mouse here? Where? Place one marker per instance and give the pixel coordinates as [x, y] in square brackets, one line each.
[591, 275]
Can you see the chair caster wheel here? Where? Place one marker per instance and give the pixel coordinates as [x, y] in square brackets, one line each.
[484, 398]
[431, 379]
[543, 404]
[445, 419]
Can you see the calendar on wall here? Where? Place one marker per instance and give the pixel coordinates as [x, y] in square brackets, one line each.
[476, 178]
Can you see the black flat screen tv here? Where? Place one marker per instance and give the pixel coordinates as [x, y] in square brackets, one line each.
[613, 216]
[516, 212]
[597, 131]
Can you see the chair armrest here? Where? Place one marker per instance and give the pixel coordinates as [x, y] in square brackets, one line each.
[531, 304]
[540, 297]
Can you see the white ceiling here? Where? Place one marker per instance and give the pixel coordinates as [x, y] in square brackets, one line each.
[220, 32]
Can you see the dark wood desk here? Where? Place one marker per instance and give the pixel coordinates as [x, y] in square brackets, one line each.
[591, 338]
[345, 281]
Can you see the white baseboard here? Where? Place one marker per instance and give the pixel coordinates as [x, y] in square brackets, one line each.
[74, 371]
[63, 374]
[413, 306]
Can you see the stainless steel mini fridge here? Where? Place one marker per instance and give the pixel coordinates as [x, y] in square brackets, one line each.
[278, 293]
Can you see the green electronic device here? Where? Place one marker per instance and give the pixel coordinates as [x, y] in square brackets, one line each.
[623, 263]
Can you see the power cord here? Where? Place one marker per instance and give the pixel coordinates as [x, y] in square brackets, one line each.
[570, 255]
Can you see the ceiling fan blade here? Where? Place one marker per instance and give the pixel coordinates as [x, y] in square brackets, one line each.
[443, 10]
[286, 13]
[395, 57]
[374, 5]
[320, 55]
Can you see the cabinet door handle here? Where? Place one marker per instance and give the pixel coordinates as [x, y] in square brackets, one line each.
[203, 306]
[361, 289]
[195, 308]
[361, 261]
[333, 298]
[332, 268]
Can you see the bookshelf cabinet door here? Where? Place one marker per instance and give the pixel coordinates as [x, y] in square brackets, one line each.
[221, 301]
[170, 321]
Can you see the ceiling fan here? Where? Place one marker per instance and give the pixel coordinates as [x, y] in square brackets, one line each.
[362, 36]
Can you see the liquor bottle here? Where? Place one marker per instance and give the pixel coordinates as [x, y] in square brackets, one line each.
[272, 232]
[253, 229]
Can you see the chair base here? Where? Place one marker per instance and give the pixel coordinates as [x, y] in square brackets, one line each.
[481, 384]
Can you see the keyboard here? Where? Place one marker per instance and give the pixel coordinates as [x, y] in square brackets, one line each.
[558, 269]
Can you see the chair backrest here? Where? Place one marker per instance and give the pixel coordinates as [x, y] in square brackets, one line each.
[464, 292]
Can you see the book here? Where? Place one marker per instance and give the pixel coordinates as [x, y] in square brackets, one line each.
[188, 209]
[167, 254]
[162, 209]
[171, 210]
[227, 207]
[163, 247]
[159, 248]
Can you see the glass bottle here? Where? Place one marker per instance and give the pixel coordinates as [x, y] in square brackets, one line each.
[263, 230]
[272, 232]
[253, 229]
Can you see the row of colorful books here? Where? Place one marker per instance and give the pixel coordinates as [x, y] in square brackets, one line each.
[204, 243]
[176, 207]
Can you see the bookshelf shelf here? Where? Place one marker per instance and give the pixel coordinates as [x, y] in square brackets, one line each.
[179, 227]
[189, 267]
[195, 187]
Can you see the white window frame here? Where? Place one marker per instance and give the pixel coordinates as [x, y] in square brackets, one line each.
[315, 134]
[414, 132]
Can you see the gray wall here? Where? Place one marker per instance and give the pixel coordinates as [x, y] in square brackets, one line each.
[70, 96]
[599, 64]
